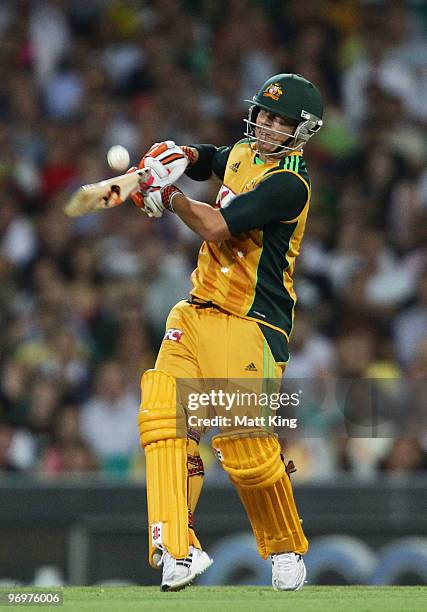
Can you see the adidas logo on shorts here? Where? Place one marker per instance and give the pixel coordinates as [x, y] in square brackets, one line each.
[251, 367]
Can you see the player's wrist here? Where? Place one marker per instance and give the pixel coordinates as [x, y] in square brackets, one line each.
[168, 193]
[191, 154]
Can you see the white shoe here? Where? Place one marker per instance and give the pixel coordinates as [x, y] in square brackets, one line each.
[178, 573]
[288, 572]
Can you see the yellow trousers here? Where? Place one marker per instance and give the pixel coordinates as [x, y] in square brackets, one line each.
[202, 345]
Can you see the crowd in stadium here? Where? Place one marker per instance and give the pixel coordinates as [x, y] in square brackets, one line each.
[83, 302]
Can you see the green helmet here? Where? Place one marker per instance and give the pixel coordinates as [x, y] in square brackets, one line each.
[293, 97]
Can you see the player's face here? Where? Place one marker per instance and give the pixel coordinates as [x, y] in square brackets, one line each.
[271, 130]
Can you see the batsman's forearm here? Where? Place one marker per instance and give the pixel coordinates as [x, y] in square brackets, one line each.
[206, 221]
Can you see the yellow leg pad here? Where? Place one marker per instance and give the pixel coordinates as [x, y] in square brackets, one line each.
[160, 416]
[256, 469]
[166, 465]
[161, 422]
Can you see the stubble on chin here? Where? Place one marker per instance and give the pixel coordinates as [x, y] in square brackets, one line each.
[265, 148]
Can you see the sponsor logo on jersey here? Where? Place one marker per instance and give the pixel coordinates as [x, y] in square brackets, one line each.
[273, 91]
[173, 334]
[234, 167]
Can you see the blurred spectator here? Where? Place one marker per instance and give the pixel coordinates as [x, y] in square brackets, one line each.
[17, 236]
[375, 67]
[312, 355]
[410, 327]
[108, 420]
[67, 453]
[48, 50]
[6, 436]
[405, 455]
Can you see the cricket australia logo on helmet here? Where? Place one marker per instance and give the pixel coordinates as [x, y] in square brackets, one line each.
[273, 91]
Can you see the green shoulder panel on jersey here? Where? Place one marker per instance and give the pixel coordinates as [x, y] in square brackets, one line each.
[296, 163]
[272, 303]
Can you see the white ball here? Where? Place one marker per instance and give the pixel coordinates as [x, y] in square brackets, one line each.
[118, 158]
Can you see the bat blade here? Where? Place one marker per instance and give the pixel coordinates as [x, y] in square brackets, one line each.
[105, 194]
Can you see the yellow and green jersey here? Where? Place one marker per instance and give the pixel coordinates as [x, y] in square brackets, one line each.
[265, 206]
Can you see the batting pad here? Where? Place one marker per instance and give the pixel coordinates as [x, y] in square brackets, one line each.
[255, 467]
[161, 421]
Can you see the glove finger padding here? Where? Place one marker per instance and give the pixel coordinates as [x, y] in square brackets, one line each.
[170, 156]
[136, 196]
[152, 204]
[144, 197]
[159, 172]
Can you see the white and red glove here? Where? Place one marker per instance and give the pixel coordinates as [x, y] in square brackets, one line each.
[155, 193]
[174, 160]
[172, 157]
[159, 200]
[151, 184]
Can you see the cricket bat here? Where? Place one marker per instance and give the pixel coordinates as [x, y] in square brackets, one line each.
[105, 194]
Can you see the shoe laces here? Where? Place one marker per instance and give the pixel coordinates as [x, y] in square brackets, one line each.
[285, 561]
[169, 563]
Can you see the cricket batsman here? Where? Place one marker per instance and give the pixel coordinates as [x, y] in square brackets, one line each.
[235, 325]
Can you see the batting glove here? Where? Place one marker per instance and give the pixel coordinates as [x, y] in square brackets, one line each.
[155, 202]
[151, 184]
[152, 203]
[175, 159]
